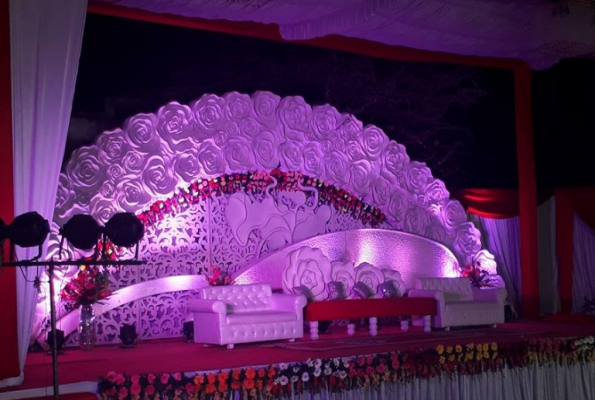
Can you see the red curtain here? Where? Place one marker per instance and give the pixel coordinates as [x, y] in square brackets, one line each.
[9, 361]
[489, 203]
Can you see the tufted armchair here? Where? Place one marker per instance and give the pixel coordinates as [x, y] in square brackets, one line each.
[245, 313]
[461, 305]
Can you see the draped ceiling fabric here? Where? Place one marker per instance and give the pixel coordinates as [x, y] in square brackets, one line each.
[515, 29]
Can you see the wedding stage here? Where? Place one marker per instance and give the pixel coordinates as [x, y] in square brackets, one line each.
[527, 351]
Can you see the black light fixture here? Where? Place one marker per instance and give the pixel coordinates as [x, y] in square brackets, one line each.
[128, 336]
[188, 331]
[28, 230]
[124, 230]
[55, 339]
[82, 232]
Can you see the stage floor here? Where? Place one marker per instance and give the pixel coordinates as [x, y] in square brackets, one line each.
[176, 355]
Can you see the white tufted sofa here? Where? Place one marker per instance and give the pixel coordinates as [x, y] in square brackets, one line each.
[245, 313]
[461, 305]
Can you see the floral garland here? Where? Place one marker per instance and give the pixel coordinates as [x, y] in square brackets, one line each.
[348, 373]
[257, 183]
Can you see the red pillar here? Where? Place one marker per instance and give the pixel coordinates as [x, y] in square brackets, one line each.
[527, 192]
[9, 361]
[565, 246]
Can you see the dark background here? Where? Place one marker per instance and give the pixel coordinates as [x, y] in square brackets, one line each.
[458, 119]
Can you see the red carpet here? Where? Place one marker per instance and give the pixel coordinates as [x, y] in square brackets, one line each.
[176, 355]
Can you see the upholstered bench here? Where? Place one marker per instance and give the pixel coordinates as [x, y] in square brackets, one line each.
[245, 313]
[369, 308]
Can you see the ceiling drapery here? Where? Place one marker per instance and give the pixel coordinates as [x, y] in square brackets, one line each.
[520, 29]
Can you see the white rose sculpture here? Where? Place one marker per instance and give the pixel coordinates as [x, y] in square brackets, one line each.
[308, 268]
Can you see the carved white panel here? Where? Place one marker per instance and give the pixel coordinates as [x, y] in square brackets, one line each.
[154, 156]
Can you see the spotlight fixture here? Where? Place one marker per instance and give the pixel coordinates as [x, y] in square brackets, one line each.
[28, 230]
[55, 338]
[188, 331]
[82, 232]
[128, 336]
[124, 229]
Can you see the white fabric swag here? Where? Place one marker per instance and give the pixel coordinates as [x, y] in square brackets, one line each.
[503, 240]
[45, 42]
[583, 281]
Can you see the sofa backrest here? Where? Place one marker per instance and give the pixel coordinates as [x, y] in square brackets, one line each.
[240, 297]
[455, 289]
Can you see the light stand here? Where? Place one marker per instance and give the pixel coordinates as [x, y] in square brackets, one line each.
[51, 265]
[31, 230]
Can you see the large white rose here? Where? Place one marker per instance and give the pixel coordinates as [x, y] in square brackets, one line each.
[350, 128]
[264, 146]
[112, 146]
[369, 275]
[361, 177]
[417, 177]
[313, 162]
[397, 206]
[291, 155]
[325, 121]
[467, 241]
[208, 113]
[344, 272]
[435, 193]
[84, 170]
[373, 142]
[131, 194]
[310, 268]
[394, 161]
[158, 176]
[486, 261]
[133, 162]
[416, 220]
[337, 169]
[142, 133]
[211, 159]
[265, 108]
[238, 106]
[238, 154]
[174, 124]
[186, 165]
[380, 192]
[295, 115]
[453, 214]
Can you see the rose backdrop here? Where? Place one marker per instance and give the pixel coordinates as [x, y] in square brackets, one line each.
[154, 155]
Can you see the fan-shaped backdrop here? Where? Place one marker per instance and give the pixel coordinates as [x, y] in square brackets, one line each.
[227, 180]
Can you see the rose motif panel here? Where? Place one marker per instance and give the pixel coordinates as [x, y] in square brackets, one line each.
[181, 147]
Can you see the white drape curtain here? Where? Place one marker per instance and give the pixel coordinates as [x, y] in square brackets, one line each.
[583, 281]
[46, 38]
[503, 240]
[544, 383]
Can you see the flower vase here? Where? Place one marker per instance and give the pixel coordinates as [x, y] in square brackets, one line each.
[87, 327]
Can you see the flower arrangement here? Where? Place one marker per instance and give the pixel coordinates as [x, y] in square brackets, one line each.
[349, 373]
[219, 277]
[89, 286]
[257, 183]
[478, 277]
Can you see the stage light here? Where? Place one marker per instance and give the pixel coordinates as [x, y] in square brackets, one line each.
[124, 230]
[29, 230]
[56, 337]
[128, 336]
[188, 331]
[82, 232]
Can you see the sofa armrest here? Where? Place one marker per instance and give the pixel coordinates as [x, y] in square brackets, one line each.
[288, 302]
[207, 306]
[435, 294]
[494, 295]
